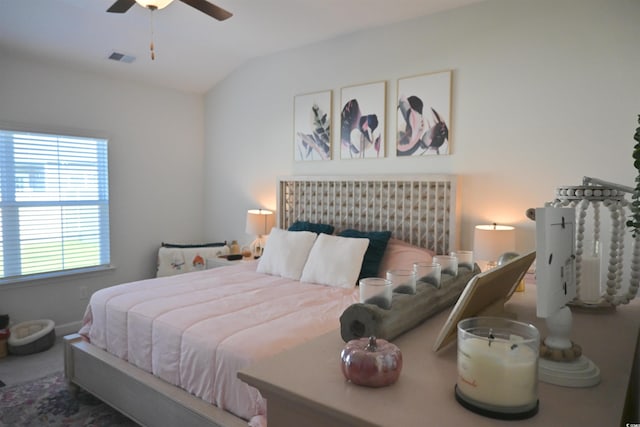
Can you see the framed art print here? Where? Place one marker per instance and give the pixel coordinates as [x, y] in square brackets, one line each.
[312, 126]
[362, 121]
[424, 115]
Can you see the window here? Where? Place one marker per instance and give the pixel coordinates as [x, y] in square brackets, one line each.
[54, 205]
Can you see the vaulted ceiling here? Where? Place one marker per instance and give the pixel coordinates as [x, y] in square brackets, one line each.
[193, 51]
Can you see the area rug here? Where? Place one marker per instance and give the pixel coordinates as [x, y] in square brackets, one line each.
[49, 402]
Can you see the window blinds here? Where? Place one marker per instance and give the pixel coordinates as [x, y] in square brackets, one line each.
[54, 204]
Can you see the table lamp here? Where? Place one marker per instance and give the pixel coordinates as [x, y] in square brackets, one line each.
[491, 241]
[259, 223]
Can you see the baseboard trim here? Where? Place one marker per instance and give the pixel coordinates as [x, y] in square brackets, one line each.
[68, 328]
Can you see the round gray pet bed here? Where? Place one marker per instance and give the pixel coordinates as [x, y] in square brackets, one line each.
[32, 336]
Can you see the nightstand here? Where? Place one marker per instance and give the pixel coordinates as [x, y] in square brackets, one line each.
[221, 262]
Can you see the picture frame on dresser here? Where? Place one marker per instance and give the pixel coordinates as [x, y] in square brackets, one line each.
[485, 295]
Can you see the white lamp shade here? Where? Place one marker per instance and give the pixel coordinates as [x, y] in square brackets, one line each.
[160, 4]
[259, 222]
[491, 241]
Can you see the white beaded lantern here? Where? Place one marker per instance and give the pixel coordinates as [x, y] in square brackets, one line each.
[588, 199]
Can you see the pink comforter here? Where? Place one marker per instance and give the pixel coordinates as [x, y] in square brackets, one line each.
[197, 330]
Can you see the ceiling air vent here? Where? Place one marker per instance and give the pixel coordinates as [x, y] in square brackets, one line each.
[121, 57]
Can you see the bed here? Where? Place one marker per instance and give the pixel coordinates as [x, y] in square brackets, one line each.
[124, 352]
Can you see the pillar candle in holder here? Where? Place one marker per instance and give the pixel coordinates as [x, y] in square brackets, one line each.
[589, 289]
[498, 367]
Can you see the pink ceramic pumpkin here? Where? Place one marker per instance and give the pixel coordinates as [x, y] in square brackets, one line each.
[371, 362]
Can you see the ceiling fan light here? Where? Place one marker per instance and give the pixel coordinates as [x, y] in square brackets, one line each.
[159, 4]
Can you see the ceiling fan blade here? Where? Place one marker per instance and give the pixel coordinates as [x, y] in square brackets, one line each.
[210, 9]
[121, 6]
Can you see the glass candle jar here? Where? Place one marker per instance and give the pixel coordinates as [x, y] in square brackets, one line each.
[402, 281]
[498, 367]
[427, 272]
[465, 259]
[375, 290]
[448, 264]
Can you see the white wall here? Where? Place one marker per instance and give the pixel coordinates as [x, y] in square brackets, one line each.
[156, 171]
[544, 92]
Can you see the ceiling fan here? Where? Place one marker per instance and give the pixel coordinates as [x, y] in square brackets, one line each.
[121, 6]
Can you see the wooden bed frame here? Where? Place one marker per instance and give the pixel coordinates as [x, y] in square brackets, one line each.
[419, 209]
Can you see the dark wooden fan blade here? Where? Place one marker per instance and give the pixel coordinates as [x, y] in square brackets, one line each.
[121, 6]
[210, 9]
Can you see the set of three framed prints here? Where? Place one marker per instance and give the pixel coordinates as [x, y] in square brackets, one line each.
[423, 110]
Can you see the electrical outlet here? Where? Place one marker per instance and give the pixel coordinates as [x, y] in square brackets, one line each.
[84, 292]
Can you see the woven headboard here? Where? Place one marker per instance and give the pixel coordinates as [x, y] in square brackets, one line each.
[419, 209]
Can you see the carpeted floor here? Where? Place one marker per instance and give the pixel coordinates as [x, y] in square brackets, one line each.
[49, 402]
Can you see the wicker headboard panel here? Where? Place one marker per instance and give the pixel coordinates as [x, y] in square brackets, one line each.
[419, 209]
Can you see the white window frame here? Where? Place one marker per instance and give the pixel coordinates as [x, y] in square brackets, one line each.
[95, 200]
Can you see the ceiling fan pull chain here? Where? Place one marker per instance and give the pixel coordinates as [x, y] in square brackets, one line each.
[151, 47]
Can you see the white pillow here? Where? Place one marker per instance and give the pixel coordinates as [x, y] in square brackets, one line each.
[173, 261]
[335, 261]
[170, 262]
[285, 253]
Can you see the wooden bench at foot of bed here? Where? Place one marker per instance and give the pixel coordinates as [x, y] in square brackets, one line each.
[139, 395]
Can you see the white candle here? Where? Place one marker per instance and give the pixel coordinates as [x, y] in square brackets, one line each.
[589, 289]
[501, 374]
